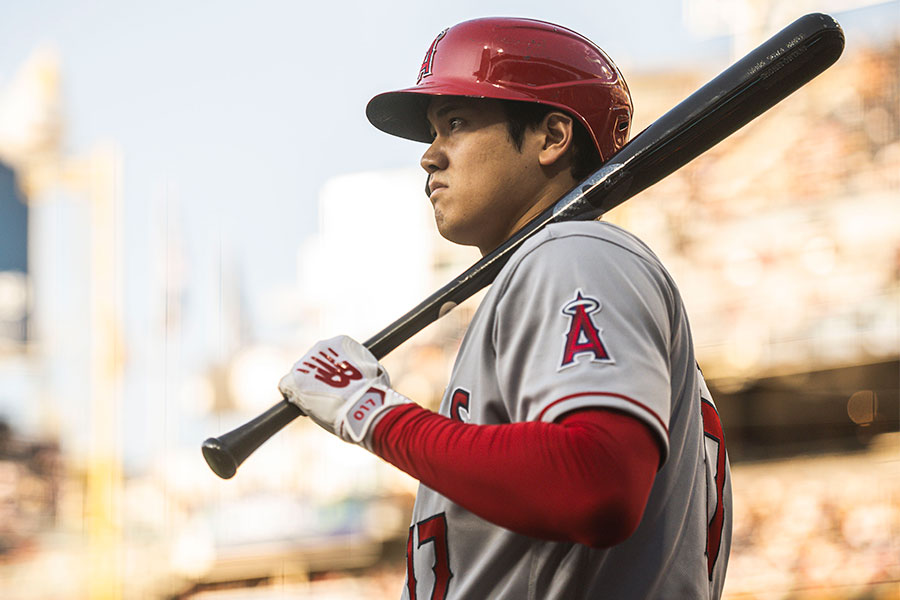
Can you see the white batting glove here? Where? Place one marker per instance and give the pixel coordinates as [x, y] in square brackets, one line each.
[341, 386]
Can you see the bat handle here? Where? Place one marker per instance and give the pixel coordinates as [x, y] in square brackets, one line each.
[224, 454]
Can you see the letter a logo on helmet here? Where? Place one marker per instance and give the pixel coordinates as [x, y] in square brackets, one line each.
[428, 61]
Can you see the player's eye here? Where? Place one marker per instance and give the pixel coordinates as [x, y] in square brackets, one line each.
[454, 123]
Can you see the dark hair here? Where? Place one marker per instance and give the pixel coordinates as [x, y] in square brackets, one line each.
[528, 115]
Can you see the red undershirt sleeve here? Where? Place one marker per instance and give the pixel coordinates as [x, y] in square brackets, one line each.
[583, 479]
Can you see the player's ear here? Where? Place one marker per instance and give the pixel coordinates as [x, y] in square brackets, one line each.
[557, 130]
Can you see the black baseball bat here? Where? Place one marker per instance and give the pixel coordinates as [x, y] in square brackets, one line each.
[752, 85]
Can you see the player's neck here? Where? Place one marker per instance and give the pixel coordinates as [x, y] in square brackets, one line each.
[555, 189]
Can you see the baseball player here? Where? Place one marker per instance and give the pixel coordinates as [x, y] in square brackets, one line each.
[577, 452]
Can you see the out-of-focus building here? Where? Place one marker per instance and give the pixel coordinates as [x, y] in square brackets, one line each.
[377, 255]
[307, 506]
[14, 294]
[30, 468]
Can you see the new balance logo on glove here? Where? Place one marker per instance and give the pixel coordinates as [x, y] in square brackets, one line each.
[330, 371]
[341, 386]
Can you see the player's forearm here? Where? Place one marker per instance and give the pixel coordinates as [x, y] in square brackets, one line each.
[571, 481]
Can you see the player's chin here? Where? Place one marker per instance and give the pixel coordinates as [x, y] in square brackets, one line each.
[445, 225]
[454, 230]
[449, 234]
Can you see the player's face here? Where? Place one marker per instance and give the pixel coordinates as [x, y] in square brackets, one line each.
[481, 186]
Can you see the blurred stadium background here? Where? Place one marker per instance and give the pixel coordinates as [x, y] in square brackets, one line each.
[785, 240]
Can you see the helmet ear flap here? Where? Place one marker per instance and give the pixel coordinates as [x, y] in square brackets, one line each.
[621, 125]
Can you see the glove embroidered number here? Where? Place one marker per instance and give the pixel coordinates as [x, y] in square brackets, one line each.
[328, 370]
[361, 409]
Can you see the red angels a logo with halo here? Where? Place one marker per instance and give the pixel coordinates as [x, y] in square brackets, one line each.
[583, 336]
[428, 62]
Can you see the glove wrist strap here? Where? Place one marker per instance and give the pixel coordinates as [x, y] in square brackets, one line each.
[361, 411]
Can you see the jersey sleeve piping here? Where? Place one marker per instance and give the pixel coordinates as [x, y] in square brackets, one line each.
[566, 404]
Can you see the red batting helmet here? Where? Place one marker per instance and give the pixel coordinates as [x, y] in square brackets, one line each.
[514, 59]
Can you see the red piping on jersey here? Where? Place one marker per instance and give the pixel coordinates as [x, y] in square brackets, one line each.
[584, 479]
[610, 394]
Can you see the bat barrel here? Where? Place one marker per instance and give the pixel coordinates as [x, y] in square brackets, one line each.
[748, 88]
[224, 454]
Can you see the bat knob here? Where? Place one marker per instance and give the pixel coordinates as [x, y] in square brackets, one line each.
[224, 454]
[219, 458]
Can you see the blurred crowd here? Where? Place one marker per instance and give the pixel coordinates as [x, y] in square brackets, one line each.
[823, 527]
[809, 527]
[30, 478]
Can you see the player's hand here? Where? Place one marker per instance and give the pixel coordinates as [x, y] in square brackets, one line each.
[341, 386]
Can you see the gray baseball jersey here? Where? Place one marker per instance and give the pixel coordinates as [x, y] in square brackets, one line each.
[584, 315]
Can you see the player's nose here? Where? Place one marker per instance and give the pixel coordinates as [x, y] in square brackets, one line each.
[433, 159]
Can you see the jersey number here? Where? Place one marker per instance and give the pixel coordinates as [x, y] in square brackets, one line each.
[432, 530]
[459, 406]
[715, 453]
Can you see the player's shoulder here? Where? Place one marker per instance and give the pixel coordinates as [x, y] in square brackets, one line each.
[595, 258]
[577, 250]
[569, 240]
